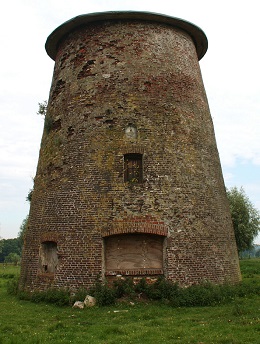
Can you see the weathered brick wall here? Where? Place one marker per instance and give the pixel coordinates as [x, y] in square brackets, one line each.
[108, 75]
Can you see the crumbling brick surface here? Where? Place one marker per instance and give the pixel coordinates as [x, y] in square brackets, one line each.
[107, 76]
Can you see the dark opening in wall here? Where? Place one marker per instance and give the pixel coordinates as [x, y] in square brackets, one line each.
[87, 70]
[48, 257]
[70, 131]
[57, 124]
[133, 168]
[60, 85]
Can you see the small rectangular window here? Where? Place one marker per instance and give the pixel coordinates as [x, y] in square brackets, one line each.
[133, 168]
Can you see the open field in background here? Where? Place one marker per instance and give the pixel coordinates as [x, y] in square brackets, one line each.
[237, 322]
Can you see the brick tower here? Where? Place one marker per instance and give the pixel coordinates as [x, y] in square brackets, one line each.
[129, 180]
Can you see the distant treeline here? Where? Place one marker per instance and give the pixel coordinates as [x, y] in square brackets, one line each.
[254, 252]
[11, 248]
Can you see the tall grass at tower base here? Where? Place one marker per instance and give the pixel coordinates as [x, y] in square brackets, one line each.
[137, 319]
[125, 290]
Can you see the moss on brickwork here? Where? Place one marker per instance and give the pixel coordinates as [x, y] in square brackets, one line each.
[109, 75]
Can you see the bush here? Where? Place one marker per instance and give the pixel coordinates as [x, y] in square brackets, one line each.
[123, 287]
[59, 297]
[13, 285]
[37, 296]
[163, 290]
[141, 287]
[105, 295]
[198, 295]
[204, 294]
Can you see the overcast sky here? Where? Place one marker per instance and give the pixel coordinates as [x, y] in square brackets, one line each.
[230, 71]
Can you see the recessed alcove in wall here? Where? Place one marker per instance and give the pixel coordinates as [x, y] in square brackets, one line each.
[132, 253]
[133, 168]
[48, 257]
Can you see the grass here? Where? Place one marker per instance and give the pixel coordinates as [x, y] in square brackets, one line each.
[250, 268]
[237, 322]
[9, 270]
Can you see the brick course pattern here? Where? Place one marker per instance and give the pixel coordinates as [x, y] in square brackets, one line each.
[110, 74]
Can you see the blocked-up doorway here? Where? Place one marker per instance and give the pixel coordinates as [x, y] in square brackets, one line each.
[133, 252]
[48, 257]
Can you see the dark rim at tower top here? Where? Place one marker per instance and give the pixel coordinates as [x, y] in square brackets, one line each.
[198, 36]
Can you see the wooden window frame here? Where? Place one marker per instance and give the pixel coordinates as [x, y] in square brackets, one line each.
[133, 168]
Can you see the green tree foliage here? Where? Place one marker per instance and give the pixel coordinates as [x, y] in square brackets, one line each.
[42, 108]
[10, 246]
[1, 244]
[29, 196]
[48, 121]
[245, 218]
[13, 258]
[21, 233]
[10, 249]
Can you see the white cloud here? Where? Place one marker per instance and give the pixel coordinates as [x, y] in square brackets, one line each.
[237, 131]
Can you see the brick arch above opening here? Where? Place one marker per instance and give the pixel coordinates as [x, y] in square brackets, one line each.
[138, 224]
[131, 148]
[49, 236]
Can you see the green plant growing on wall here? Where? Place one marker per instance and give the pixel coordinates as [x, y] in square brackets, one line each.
[42, 108]
[48, 121]
[48, 124]
[29, 196]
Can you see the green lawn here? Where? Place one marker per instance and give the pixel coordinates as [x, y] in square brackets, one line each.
[235, 323]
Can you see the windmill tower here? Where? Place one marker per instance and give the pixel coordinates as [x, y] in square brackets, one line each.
[129, 180]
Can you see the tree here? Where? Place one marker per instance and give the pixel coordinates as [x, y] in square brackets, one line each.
[245, 218]
[10, 246]
[13, 258]
[21, 233]
[1, 245]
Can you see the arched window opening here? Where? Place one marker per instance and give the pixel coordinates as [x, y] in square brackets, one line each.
[133, 168]
[48, 257]
[131, 131]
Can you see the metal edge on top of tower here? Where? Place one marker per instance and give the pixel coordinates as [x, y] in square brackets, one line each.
[199, 38]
